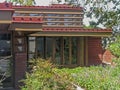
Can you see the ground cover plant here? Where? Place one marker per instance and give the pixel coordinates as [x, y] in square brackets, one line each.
[96, 77]
[45, 76]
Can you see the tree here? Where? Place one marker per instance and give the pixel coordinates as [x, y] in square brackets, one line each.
[106, 13]
[22, 2]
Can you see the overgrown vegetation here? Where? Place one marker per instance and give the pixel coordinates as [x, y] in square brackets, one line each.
[45, 76]
[115, 47]
[96, 77]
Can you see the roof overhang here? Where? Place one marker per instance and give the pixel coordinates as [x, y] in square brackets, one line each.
[55, 34]
[21, 23]
[73, 32]
[25, 27]
[5, 17]
[6, 12]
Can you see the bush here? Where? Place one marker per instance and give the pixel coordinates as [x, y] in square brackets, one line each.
[115, 47]
[96, 77]
[44, 76]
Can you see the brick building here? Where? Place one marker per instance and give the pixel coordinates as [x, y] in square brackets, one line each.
[54, 32]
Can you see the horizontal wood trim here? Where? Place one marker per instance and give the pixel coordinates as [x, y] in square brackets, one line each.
[70, 17]
[62, 21]
[55, 17]
[5, 21]
[25, 27]
[79, 26]
[96, 34]
[47, 9]
[38, 12]
[22, 29]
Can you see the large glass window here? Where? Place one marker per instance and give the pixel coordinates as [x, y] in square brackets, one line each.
[66, 51]
[44, 47]
[62, 50]
[5, 60]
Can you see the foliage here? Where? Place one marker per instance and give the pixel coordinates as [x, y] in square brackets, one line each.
[22, 2]
[105, 11]
[44, 76]
[115, 47]
[96, 77]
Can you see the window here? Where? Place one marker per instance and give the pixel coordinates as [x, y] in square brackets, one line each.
[5, 60]
[66, 51]
[62, 50]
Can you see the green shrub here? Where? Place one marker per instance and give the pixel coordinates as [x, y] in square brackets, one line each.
[44, 76]
[115, 47]
[96, 77]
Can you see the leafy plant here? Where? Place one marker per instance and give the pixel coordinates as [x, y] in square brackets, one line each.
[115, 47]
[96, 77]
[44, 76]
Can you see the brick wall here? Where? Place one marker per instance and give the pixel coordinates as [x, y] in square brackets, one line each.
[20, 68]
[107, 57]
[94, 51]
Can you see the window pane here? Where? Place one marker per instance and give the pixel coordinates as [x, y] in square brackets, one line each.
[5, 60]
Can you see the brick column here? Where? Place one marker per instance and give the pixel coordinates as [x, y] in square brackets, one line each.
[94, 51]
[20, 57]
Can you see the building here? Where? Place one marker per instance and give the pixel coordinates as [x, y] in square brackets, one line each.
[54, 32]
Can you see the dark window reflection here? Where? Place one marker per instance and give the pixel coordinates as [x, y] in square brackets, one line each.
[5, 61]
[5, 45]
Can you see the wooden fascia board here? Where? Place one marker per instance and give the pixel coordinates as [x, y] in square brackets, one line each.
[98, 34]
[80, 17]
[48, 12]
[47, 9]
[22, 29]
[25, 27]
[5, 21]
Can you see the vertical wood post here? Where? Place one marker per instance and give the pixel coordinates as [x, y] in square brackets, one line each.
[86, 51]
[62, 51]
[45, 47]
[53, 50]
[70, 50]
[80, 51]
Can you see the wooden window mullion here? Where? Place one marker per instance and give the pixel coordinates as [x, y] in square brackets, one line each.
[62, 51]
[70, 50]
[54, 49]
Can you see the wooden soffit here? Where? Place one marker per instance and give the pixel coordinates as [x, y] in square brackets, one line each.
[73, 32]
[96, 34]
